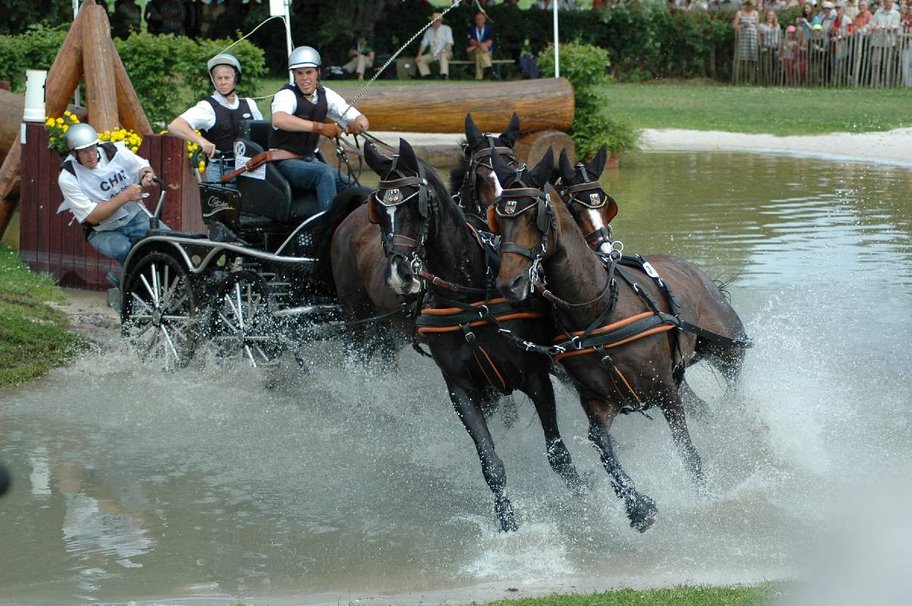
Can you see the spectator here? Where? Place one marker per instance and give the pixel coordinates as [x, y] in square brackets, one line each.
[905, 20]
[481, 45]
[438, 39]
[883, 29]
[362, 57]
[745, 24]
[804, 20]
[214, 123]
[851, 9]
[298, 114]
[770, 34]
[839, 32]
[864, 17]
[826, 16]
[792, 52]
[165, 17]
[102, 186]
[127, 18]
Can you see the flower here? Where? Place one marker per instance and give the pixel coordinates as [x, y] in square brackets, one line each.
[195, 154]
[58, 127]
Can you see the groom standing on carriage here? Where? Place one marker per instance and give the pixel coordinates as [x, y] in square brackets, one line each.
[298, 114]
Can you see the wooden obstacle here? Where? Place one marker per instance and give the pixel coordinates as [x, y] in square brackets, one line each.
[48, 242]
[545, 107]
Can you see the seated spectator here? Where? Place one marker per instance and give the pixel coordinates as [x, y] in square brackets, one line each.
[438, 39]
[362, 57]
[481, 45]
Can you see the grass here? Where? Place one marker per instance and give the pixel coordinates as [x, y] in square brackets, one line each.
[676, 596]
[34, 337]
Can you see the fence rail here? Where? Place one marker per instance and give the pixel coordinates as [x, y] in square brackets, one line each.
[866, 60]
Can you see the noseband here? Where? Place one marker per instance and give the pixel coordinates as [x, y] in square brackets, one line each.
[390, 194]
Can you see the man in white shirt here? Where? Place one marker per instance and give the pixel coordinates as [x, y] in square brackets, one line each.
[298, 114]
[217, 118]
[438, 40]
[883, 30]
[102, 186]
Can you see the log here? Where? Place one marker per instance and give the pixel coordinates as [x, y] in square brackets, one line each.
[132, 115]
[9, 181]
[11, 108]
[531, 147]
[66, 71]
[541, 104]
[97, 67]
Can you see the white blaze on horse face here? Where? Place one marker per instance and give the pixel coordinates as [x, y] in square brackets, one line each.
[596, 218]
[399, 283]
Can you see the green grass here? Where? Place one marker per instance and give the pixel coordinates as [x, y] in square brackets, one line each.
[677, 596]
[33, 336]
[743, 109]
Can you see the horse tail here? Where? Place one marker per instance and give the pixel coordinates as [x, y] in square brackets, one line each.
[344, 204]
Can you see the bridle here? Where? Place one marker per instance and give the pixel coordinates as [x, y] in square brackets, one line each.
[589, 194]
[513, 202]
[480, 159]
[390, 194]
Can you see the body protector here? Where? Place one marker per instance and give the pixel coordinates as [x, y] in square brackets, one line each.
[227, 125]
[298, 142]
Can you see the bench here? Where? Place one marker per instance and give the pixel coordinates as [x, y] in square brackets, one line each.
[406, 68]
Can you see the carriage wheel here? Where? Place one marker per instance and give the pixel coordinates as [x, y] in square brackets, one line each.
[242, 324]
[159, 310]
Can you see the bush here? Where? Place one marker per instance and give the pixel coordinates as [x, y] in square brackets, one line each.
[587, 68]
[167, 72]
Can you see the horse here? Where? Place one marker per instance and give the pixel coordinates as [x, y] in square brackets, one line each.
[628, 331]
[357, 264]
[425, 231]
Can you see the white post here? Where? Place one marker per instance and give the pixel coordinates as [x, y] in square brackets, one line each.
[34, 95]
[554, 4]
[279, 8]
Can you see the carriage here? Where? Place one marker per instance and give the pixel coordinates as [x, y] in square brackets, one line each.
[249, 287]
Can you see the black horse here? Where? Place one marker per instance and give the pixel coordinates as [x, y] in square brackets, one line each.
[425, 231]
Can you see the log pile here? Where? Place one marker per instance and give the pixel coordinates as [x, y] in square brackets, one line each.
[87, 51]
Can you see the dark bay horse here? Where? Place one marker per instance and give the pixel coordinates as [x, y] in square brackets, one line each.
[425, 230]
[357, 267]
[625, 350]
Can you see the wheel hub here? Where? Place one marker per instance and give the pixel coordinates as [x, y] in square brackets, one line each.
[157, 318]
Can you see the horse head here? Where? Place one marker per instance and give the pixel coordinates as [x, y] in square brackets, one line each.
[404, 206]
[590, 206]
[474, 179]
[525, 219]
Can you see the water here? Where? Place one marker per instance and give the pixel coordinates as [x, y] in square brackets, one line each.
[213, 486]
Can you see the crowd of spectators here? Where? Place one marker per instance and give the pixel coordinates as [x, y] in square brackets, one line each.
[849, 42]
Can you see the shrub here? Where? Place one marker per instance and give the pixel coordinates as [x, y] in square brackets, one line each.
[587, 68]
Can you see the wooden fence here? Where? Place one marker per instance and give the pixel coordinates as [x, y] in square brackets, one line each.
[55, 244]
[865, 60]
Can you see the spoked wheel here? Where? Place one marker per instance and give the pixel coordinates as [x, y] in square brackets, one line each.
[159, 310]
[242, 325]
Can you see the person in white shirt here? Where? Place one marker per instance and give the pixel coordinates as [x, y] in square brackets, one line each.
[102, 186]
[217, 118]
[298, 114]
[883, 30]
[438, 40]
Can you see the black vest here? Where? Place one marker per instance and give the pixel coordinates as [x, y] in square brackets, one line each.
[227, 125]
[296, 142]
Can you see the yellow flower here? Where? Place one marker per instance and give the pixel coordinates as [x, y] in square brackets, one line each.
[74, 118]
[66, 127]
[202, 166]
[134, 149]
[49, 122]
[59, 121]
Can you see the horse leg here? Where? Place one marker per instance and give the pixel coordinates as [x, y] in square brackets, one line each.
[541, 392]
[641, 510]
[468, 408]
[674, 414]
[693, 403]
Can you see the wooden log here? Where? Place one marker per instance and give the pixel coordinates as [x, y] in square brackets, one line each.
[11, 108]
[9, 182]
[98, 69]
[132, 115]
[532, 147]
[542, 104]
[66, 70]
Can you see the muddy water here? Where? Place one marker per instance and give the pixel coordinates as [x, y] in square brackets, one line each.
[343, 483]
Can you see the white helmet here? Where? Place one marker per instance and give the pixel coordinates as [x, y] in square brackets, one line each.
[304, 56]
[81, 136]
[225, 59]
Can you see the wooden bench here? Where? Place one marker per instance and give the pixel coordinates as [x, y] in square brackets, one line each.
[495, 64]
[406, 68]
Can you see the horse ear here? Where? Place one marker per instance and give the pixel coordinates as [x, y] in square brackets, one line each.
[378, 163]
[542, 171]
[511, 135]
[502, 170]
[566, 168]
[597, 165]
[407, 158]
[472, 132]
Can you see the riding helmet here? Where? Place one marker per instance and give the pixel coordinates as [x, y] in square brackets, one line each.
[304, 56]
[225, 59]
[81, 136]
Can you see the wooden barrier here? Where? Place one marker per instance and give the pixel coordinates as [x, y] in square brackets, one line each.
[50, 243]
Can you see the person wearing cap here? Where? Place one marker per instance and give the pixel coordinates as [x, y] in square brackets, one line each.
[102, 185]
[438, 39]
[217, 118]
[299, 112]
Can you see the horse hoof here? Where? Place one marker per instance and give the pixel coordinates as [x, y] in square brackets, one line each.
[505, 516]
[642, 513]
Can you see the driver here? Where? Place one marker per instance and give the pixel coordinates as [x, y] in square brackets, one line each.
[102, 186]
[217, 118]
[298, 114]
